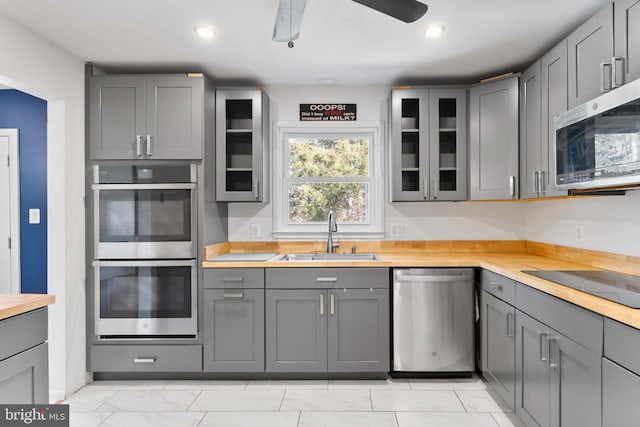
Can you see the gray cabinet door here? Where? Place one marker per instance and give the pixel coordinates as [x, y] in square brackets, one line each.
[493, 144]
[530, 127]
[296, 330]
[409, 145]
[358, 338]
[174, 117]
[24, 378]
[590, 45]
[242, 153]
[499, 346]
[234, 330]
[620, 391]
[116, 117]
[576, 383]
[554, 102]
[627, 39]
[533, 376]
[448, 144]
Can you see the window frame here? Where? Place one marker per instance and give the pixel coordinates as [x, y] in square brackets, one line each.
[374, 229]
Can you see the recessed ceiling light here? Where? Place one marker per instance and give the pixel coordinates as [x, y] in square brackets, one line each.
[204, 31]
[327, 81]
[434, 31]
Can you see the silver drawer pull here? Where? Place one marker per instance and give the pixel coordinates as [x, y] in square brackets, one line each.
[233, 279]
[144, 360]
[240, 295]
[327, 279]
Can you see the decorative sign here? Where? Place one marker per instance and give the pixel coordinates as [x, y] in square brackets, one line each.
[328, 112]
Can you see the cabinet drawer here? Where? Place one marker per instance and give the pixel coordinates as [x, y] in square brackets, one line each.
[234, 278]
[622, 344]
[499, 286]
[146, 358]
[321, 278]
[582, 326]
[22, 332]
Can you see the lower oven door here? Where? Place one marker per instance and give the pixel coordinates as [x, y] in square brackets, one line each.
[145, 298]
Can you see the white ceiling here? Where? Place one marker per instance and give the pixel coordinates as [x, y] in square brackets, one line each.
[339, 38]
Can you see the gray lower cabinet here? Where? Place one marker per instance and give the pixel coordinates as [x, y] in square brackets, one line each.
[234, 330]
[590, 46]
[498, 346]
[358, 337]
[493, 140]
[627, 40]
[296, 330]
[146, 117]
[146, 358]
[24, 365]
[620, 391]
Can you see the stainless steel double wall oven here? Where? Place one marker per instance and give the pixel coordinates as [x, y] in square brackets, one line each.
[145, 272]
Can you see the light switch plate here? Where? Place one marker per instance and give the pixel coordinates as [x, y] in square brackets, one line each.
[34, 216]
[397, 230]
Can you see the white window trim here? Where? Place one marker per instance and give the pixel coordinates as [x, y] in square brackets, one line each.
[281, 227]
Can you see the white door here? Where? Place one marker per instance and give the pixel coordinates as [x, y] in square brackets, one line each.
[9, 213]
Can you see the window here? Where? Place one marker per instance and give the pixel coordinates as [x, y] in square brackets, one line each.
[335, 167]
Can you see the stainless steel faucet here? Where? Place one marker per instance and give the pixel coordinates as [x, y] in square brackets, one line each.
[333, 227]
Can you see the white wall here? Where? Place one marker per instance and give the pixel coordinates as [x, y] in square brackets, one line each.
[432, 221]
[609, 224]
[34, 65]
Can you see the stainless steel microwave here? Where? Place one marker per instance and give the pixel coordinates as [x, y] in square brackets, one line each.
[597, 144]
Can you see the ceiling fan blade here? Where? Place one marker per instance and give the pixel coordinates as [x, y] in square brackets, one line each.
[405, 10]
[288, 20]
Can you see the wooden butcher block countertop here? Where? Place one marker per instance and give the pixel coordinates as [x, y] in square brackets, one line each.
[14, 304]
[507, 258]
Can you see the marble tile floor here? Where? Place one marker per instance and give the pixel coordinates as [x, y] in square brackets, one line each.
[275, 403]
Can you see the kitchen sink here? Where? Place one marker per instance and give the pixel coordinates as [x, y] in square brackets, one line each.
[328, 257]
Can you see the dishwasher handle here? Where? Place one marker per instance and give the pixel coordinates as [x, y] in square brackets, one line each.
[453, 278]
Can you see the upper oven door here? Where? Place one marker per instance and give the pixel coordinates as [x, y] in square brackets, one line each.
[144, 219]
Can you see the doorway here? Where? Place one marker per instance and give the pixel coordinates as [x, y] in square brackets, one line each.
[9, 213]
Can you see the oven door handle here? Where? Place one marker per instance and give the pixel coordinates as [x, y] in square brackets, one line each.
[173, 186]
[146, 263]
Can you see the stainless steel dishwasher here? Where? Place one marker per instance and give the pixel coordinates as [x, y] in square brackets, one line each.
[433, 322]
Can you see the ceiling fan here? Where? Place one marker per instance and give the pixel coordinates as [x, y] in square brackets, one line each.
[289, 15]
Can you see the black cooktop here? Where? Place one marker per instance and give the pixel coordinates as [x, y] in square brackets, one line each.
[617, 287]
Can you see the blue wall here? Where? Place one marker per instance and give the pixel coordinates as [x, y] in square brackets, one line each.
[29, 115]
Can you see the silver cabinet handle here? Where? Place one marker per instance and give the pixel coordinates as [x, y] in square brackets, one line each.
[435, 188]
[321, 304]
[550, 362]
[536, 182]
[327, 279]
[543, 336]
[234, 279]
[138, 145]
[240, 295]
[144, 360]
[332, 304]
[512, 186]
[603, 76]
[256, 189]
[543, 183]
[425, 188]
[510, 324]
[148, 145]
[614, 71]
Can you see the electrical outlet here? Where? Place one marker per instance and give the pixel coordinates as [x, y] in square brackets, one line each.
[397, 230]
[256, 231]
[580, 233]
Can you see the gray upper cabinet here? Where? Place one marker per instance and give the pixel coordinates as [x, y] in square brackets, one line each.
[627, 41]
[242, 150]
[498, 347]
[296, 330]
[493, 144]
[554, 102]
[358, 335]
[530, 132]
[589, 46]
[146, 117]
[234, 330]
[428, 145]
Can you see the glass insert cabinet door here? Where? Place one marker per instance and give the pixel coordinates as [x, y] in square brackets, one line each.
[145, 298]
